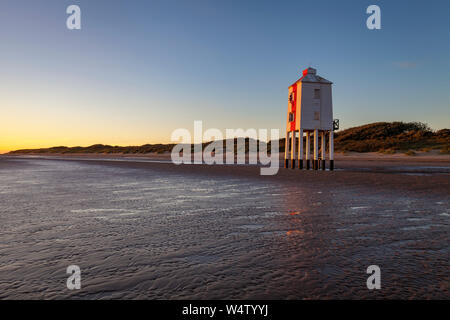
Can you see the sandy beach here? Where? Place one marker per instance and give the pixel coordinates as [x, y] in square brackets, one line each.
[148, 229]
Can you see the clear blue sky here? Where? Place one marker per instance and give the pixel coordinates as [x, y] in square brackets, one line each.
[139, 69]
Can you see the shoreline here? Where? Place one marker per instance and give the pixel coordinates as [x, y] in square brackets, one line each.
[414, 177]
[431, 156]
[372, 161]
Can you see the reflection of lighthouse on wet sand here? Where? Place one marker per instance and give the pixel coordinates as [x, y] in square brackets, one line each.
[310, 111]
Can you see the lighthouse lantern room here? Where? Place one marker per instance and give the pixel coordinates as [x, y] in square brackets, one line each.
[310, 113]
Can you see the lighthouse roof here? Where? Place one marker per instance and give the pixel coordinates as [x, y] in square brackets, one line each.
[310, 75]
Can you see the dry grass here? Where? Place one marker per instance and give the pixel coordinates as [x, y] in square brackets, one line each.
[445, 150]
[389, 137]
[387, 151]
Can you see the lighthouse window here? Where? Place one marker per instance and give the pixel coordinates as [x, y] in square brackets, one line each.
[291, 97]
[291, 116]
[316, 93]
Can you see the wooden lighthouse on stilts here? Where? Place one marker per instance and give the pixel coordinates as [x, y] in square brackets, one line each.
[310, 112]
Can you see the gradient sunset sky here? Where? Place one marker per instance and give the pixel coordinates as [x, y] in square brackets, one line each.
[137, 70]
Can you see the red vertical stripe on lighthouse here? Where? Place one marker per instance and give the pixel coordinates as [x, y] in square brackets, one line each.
[294, 105]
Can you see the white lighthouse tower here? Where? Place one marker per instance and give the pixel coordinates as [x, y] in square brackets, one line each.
[310, 112]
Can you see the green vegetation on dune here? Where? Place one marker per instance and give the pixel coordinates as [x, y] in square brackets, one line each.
[391, 136]
[383, 137]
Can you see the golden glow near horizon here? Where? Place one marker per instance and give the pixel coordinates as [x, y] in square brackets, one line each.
[44, 117]
[42, 133]
[41, 121]
[64, 112]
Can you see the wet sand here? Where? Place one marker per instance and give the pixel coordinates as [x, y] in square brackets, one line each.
[153, 230]
[356, 169]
